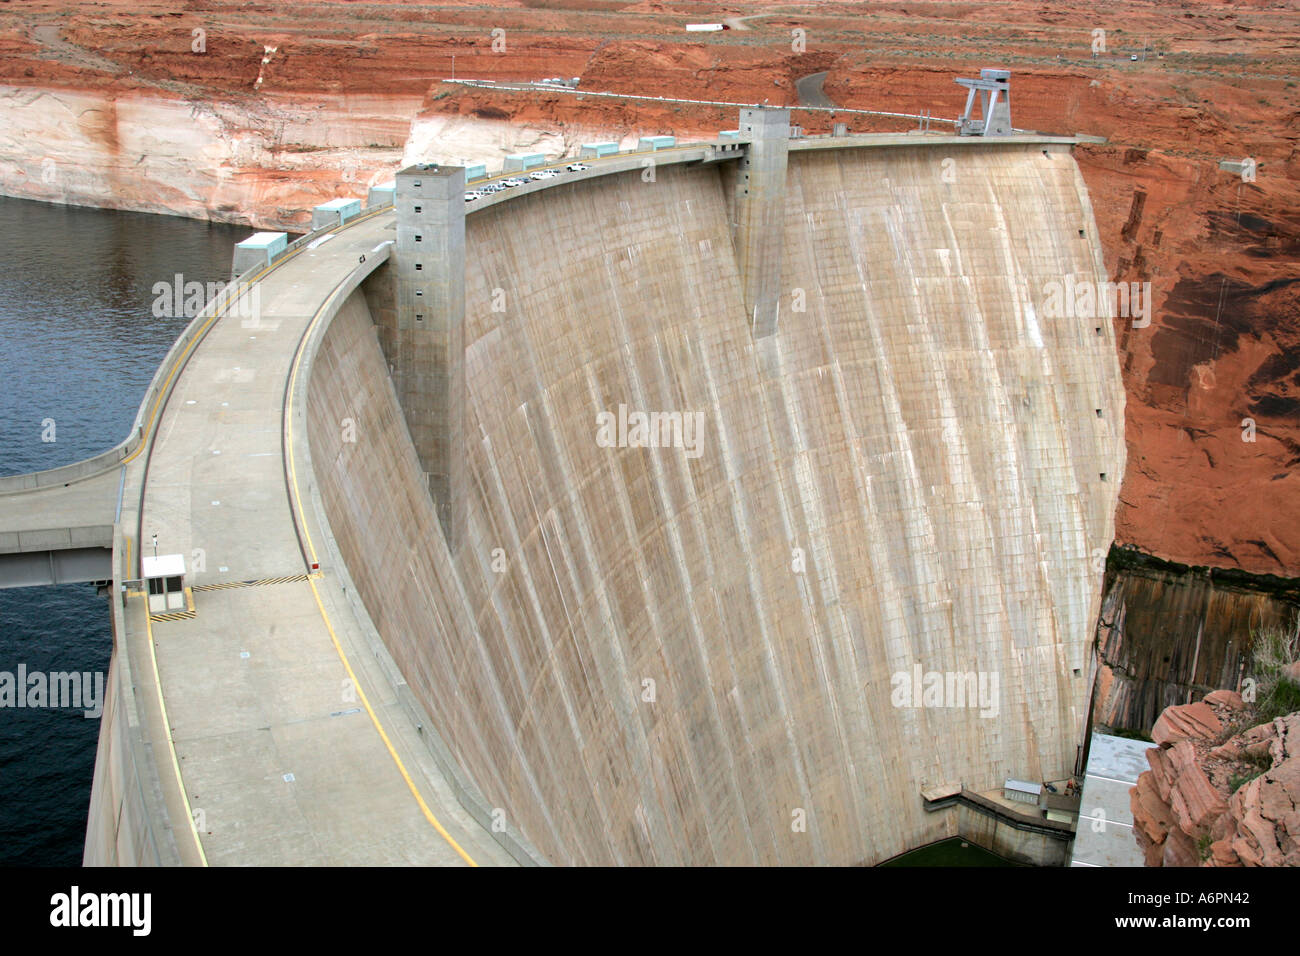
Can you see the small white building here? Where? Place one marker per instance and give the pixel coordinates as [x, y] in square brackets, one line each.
[258, 250]
[381, 194]
[334, 213]
[596, 150]
[164, 577]
[518, 162]
[1018, 791]
[656, 142]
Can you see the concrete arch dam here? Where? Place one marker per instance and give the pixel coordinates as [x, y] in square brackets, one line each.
[896, 458]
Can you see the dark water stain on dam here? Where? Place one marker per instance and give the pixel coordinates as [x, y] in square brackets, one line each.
[1169, 634]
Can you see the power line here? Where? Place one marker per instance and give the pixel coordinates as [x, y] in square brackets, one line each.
[533, 88]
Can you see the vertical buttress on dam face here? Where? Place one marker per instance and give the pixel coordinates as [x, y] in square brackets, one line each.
[673, 654]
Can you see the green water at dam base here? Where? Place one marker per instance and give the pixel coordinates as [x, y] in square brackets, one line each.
[953, 852]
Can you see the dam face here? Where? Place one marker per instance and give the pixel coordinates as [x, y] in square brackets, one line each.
[692, 654]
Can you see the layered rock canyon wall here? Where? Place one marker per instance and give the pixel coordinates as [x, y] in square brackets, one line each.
[267, 114]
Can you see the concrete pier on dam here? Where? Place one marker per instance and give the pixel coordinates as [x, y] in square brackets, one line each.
[568, 641]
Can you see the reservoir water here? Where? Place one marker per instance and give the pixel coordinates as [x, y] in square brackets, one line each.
[79, 343]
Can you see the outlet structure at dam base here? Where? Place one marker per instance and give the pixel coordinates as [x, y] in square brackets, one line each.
[705, 517]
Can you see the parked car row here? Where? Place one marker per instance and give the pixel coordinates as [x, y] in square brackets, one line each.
[537, 175]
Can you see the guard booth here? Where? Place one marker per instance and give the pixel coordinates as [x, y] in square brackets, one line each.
[164, 578]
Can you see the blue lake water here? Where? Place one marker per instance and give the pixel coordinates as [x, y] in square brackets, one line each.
[79, 343]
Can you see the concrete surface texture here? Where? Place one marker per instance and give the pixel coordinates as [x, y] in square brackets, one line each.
[427, 342]
[689, 654]
[760, 208]
[58, 532]
[264, 728]
[1105, 834]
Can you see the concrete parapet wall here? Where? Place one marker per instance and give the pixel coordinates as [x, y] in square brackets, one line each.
[56, 539]
[127, 823]
[372, 492]
[1008, 842]
[675, 654]
[66, 474]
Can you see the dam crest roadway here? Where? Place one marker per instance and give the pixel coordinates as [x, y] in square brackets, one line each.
[353, 679]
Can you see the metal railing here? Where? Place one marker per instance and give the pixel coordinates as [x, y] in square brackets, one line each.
[990, 808]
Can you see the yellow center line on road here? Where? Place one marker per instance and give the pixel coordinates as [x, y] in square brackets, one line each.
[159, 404]
[171, 744]
[179, 363]
[383, 735]
[329, 626]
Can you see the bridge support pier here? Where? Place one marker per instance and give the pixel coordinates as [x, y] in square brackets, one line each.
[427, 348]
[760, 214]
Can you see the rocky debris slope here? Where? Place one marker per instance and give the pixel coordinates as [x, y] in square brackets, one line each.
[1192, 807]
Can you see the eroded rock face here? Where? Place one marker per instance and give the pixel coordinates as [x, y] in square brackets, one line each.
[1186, 811]
[1186, 722]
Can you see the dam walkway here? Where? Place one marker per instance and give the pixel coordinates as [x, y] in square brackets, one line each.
[274, 726]
[60, 530]
[288, 742]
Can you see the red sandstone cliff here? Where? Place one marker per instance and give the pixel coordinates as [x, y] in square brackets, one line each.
[1192, 808]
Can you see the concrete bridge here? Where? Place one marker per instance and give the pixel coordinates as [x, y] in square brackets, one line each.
[434, 619]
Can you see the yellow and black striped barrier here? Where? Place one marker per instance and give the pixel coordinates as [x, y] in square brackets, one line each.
[256, 583]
